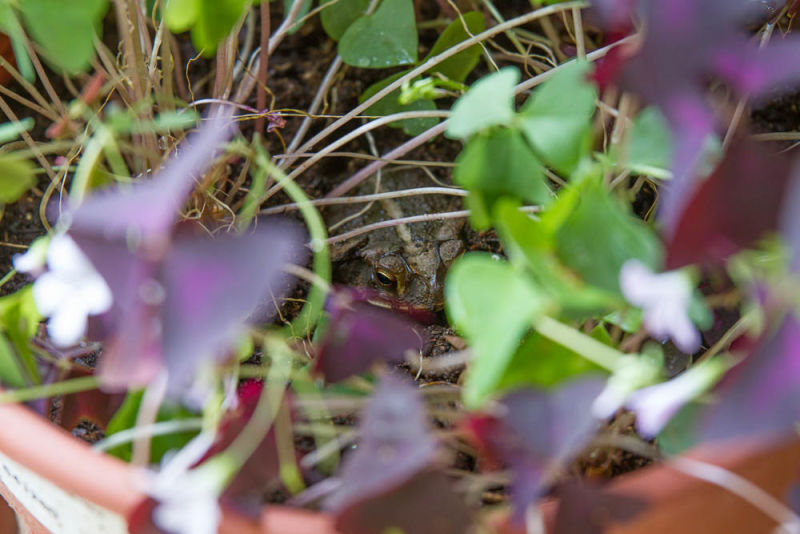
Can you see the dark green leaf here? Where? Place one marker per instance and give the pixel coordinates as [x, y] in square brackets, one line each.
[125, 419]
[530, 244]
[599, 236]
[493, 305]
[10, 368]
[338, 16]
[389, 105]
[387, 38]
[460, 65]
[17, 175]
[557, 117]
[540, 362]
[65, 30]
[499, 164]
[650, 149]
[489, 102]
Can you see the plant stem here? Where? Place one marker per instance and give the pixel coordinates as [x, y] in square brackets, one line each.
[308, 316]
[578, 342]
[73, 385]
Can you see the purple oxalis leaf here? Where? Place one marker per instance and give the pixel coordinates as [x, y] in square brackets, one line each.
[360, 333]
[395, 445]
[390, 480]
[737, 205]
[585, 509]
[536, 429]
[148, 210]
[686, 42]
[180, 299]
[761, 395]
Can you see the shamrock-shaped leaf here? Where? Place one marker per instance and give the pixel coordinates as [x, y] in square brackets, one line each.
[493, 305]
[387, 38]
[489, 102]
[498, 164]
[598, 251]
[340, 14]
[556, 118]
[66, 32]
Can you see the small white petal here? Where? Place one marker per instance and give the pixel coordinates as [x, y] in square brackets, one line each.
[96, 294]
[68, 324]
[49, 292]
[32, 261]
[664, 299]
[63, 255]
[655, 405]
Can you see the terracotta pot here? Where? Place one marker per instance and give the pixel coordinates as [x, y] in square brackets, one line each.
[97, 488]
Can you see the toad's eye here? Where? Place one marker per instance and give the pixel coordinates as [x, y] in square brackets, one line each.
[385, 278]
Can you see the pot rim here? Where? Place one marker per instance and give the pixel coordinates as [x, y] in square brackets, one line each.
[116, 486]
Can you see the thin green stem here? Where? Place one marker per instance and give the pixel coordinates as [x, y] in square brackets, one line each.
[578, 342]
[310, 314]
[73, 385]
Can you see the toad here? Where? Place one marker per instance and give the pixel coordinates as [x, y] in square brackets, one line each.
[406, 261]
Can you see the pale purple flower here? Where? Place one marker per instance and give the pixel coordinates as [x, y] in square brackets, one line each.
[69, 291]
[187, 498]
[664, 299]
[655, 405]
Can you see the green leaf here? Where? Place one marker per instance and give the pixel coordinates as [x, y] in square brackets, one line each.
[304, 9]
[338, 16]
[125, 418]
[210, 20]
[17, 175]
[460, 65]
[541, 362]
[530, 244]
[650, 149]
[19, 318]
[557, 117]
[489, 102]
[493, 305]
[66, 30]
[387, 38]
[9, 24]
[10, 368]
[389, 105]
[599, 236]
[11, 130]
[499, 164]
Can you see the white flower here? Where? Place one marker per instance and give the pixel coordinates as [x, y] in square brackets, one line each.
[655, 405]
[187, 499]
[664, 298]
[631, 372]
[69, 291]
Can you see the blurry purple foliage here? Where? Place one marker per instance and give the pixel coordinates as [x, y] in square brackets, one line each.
[391, 480]
[685, 43]
[180, 299]
[360, 333]
[536, 429]
[735, 207]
